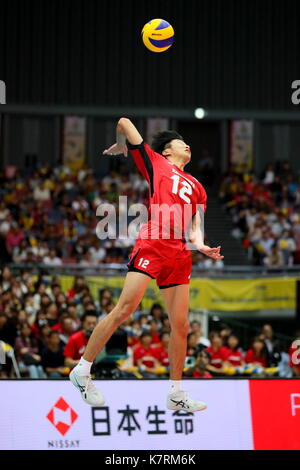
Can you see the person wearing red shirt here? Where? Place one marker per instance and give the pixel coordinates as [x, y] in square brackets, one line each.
[154, 332]
[256, 356]
[78, 341]
[161, 352]
[161, 252]
[217, 352]
[145, 356]
[199, 370]
[234, 357]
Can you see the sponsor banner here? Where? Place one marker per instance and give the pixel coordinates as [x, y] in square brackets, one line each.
[241, 151]
[51, 415]
[74, 142]
[213, 294]
[275, 410]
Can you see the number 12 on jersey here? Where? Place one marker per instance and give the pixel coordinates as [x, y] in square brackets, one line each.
[183, 191]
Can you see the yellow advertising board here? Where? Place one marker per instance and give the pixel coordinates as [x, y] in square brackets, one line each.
[213, 294]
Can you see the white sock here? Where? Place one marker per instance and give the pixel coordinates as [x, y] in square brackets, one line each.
[175, 386]
[83, 367]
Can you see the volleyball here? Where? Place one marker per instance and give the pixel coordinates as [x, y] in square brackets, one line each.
[158, 35]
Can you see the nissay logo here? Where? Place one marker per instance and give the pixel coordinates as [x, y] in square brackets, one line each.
[2, 92]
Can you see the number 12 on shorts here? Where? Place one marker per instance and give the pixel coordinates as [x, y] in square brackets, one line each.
[143, 263]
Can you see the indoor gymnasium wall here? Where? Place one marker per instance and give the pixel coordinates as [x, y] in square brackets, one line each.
[60, 57]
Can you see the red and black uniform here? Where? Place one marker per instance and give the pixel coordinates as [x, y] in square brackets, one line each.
[175, 196]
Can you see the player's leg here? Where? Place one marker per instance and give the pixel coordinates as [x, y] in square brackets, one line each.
[177, 304]
[132, 293]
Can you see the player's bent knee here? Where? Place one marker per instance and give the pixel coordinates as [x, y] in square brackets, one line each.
[123, 312]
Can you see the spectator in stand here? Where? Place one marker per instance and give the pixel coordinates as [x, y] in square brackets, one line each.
[14, 238]
[217, 352]
[199, 370]
[144, 322]
[64, 328]
[144, 356]
[166, 322]
[161, 351]
[157, 312]
[156, 339]
[134, 332]
[274, 259]
[269, 174]
[192, 346]
[272, 346]
[42, 337]
[264, 245]
[53, 357]
[52, 314]
[78, 341]
[234, 357]
[224, 332]
[287, 246]
[196, 328]
[71, 311]
[294, 353]
[52, 259]
[27, 354]
[257, 355]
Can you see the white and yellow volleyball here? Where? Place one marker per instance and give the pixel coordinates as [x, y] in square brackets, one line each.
[158, 35]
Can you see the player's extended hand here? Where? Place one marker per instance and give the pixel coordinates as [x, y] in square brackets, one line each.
[211, 252]
[117, 149]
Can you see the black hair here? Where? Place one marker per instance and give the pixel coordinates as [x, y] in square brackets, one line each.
[161, 139]
[52, 332]
[145, 333]
[89, 313]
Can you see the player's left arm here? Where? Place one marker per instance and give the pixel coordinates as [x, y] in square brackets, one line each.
[197, 236]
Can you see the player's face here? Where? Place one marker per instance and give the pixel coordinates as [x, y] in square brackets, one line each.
[181, 150]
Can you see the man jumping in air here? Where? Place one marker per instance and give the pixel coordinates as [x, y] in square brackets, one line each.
[157, 255]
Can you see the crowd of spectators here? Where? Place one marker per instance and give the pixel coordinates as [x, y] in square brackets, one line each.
[46, 330]
[49, 216]
[265, 212]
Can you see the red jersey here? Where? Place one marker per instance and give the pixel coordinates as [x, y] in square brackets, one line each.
[76, 345]
[234, 357]
[162, 356]
[146, 354]
[175, 197]
[205, 375]
[250, 358]
[217, 357]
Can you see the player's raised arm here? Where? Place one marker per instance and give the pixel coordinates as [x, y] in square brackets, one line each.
[197, 237]
[126, 130]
